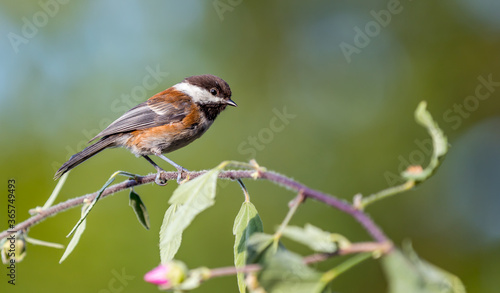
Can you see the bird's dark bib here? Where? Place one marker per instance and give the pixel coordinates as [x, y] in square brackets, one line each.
[211, 111]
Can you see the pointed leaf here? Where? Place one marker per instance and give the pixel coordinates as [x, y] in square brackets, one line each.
[258, 245]
[56, 191]
[139, 208]
[203, 186]
[424, 118]
[91, 206]
[43, 243]
[311, 236]
[99, 193]
[191, 198]
[246, 223]
[169, 248]
[408, 273]
[74, 241]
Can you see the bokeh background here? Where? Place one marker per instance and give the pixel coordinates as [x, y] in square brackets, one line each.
[349, 75]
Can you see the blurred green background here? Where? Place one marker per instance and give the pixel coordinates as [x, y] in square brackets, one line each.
[350, 74]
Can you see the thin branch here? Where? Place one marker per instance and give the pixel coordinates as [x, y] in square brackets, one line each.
[331, 274]
[294, 205]
[339, 204]
[229, 271]
[386, 193]
[360, 216]
[353, 248]
[314, 258]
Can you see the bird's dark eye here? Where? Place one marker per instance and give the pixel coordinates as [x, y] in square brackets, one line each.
[213, 92]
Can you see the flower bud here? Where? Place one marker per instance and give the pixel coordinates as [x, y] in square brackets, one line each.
[13, 247]
[167, 275]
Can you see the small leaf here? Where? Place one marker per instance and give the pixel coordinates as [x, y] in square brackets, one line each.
[311, 236]
[43, 243]
[98, 196]
[170, 248]
[406, 272]
[439, 142]
[91, 206]
[79, 229]
[203, 186]
[424, 118]
[56, 191]
[74, 241]
[286, 272]
[139, 208]
[191, 198]
[258, 245]
[246, 223]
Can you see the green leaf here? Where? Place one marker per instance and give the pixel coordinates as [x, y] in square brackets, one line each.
[415, 174]
[74, 241]
[258, 245]
[246, 223]
[98, 196]
[311, 236]
[169, 249]
[286, 272]
[439, 142]
[43, 243]
[203, 186]
[91, 206]
[406, 272]
[191, 198]
[56, 191]
[139, 208]
[424, 118]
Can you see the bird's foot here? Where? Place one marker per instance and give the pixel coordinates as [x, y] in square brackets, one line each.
[158, 180]
[179, 175]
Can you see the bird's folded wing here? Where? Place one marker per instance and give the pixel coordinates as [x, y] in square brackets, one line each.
[159, 110]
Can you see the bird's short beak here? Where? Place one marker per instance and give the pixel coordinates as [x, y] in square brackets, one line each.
[231, 103]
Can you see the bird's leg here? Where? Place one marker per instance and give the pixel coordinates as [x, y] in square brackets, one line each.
[179, 168]
[158, 170]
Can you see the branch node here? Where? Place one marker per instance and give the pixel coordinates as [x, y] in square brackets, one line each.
[357, 201]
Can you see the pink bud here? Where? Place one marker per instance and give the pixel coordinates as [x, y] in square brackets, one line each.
[158, 275]
[167, 275]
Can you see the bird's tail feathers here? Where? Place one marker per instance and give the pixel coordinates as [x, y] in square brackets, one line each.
[80, 157]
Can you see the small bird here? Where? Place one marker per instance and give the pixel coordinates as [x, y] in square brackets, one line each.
[164, 123]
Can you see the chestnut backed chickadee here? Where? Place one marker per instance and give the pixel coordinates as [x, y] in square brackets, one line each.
[164, 123]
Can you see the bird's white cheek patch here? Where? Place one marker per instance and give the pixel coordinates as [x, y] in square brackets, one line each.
[198, 94]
